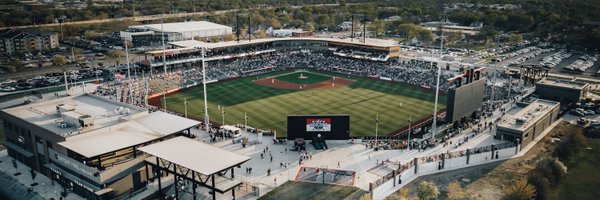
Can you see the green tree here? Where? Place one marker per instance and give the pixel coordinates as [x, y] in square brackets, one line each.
[425, 35]
[487, 32]
[309, 27]
[515, 39]
[115, 56]
[296, 23]
[520, 190]
[427, 190]
[377, 27]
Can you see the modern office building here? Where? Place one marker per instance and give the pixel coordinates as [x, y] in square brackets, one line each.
[88, 144]
[26, 41]
[152, 34]
[566, 92]
[527, 123]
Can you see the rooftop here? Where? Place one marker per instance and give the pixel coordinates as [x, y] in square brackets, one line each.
[195, 155]
[563, 83]
[135, 131]
[62, 116]
[524, 117]
[182, 26]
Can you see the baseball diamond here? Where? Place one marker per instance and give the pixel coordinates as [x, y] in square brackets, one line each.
[269, 98]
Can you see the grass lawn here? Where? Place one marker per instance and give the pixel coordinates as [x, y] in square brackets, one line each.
[314, 191]
[311, 78]
[268, 108]
[583, 178]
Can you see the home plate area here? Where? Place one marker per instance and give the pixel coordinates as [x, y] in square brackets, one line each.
[326, 176]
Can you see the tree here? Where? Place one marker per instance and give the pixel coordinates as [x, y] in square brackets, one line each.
[407, 30]
[377, 27]
[261, 34]
[455, 191]
[309, 27]
[60, 60]
[427, 190]
[452, 37]
[552, 169]
[425, 35]
[515, 39]
[488, 32]
[273, 22]
[229, 37]
[521, 190]
[115, 55]
[296, 23]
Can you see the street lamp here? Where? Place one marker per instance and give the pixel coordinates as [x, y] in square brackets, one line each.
[376, 128]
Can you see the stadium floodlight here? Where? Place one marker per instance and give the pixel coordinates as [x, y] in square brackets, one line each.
[206, 120]
[437, 84]
[128, 72]
[162, 32]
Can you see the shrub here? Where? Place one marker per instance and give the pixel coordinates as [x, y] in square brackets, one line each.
[521, 190]
[427, 190]
[455, 191]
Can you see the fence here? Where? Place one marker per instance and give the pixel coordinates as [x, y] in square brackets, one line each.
[419, 166]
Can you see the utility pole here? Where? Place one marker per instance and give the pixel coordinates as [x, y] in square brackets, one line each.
[206, 120]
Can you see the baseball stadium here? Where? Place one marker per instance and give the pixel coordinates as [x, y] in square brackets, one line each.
[268, 98]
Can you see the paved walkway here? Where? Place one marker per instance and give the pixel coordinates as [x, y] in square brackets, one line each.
[17, 185]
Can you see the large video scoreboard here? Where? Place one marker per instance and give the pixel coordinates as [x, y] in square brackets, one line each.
[331, 127]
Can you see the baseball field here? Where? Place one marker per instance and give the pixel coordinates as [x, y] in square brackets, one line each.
[269, 98]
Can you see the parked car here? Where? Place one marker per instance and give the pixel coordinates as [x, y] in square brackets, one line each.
[582, 121]
[577, 113]
[595, 123]
[590, 112]
[8, 89]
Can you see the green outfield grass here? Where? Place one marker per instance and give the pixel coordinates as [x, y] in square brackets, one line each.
[311, 78]
[268, 108]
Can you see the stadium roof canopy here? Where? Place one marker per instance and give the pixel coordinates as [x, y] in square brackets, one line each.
[194, 155]
[135, 131]
[181, 27]
[187, 45]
